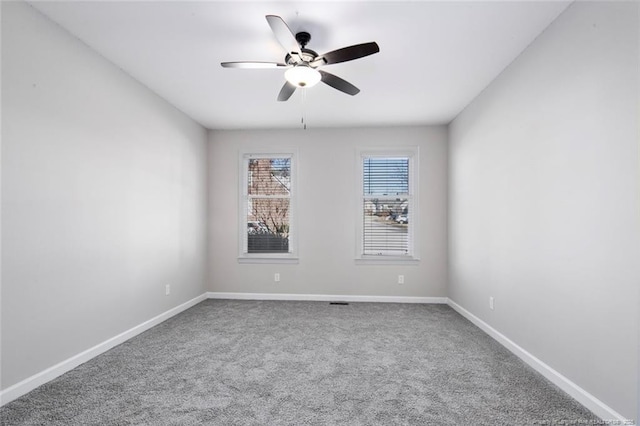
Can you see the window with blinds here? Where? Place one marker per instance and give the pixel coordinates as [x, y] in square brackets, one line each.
[387, 205]
[267, 204]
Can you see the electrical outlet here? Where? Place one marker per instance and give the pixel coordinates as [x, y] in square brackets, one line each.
[276, 277]
[491, 302]
[167, 289]
[400, 279]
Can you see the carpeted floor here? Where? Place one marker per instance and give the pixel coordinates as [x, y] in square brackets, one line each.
[229, 362]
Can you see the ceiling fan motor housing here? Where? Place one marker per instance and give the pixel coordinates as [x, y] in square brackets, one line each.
[308, 55]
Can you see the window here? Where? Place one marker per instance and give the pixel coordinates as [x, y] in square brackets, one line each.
[266, 207]
[387, 208]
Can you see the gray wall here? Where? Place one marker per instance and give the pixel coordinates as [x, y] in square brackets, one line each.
[544, 201]
[327, 205]
[103, 198]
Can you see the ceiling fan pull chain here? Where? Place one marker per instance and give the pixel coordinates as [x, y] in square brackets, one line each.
[303, 97]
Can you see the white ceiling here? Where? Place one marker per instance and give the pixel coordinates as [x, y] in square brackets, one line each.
[435, 57]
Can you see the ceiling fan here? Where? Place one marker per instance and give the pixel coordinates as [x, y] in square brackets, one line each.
[302, 64]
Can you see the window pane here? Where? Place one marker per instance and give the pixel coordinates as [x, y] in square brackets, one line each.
[385, 176]
[269, 176]
[268, 225]
[386, 226]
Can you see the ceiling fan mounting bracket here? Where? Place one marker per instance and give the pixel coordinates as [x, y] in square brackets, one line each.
[303, 38]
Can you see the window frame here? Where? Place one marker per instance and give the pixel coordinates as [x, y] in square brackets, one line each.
[243, 202]
[412, 153]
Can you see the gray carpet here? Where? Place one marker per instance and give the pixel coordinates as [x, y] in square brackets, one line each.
[228, 362]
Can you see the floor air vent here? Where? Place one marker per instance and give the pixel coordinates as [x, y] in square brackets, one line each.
[338, 303]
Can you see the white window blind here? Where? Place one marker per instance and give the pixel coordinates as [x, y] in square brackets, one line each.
[387, 205]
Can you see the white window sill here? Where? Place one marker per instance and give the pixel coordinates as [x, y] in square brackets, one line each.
[264, 259]
[387, 260]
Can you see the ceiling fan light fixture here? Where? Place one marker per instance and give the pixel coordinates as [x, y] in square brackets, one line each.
[302, 75]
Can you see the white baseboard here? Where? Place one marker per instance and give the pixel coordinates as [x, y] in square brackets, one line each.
[30, 383]
[592, 403]
[325, 297]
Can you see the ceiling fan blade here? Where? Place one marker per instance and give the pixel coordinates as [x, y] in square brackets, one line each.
[338, 83]
[247, 64]
[286, 91]
[283, 34]
[350, 53]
